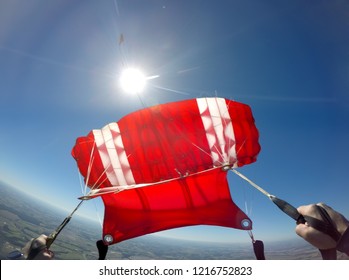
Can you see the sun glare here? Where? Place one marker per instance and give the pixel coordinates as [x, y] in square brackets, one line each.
[132, 80]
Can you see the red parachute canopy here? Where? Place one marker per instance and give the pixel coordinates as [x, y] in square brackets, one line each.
[163, 167]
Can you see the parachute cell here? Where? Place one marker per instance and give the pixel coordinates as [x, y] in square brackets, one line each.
[162, 167]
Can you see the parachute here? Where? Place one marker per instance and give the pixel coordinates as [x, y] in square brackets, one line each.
[166, 166]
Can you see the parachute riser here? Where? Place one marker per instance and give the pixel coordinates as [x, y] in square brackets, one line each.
[291, 211]
[282, 204]
[52, 237]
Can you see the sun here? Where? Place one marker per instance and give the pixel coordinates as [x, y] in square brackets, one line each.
[132, 81]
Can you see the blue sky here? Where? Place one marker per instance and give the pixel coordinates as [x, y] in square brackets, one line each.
[289, 60]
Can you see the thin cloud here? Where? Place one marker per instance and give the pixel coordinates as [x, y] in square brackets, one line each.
[188, 70]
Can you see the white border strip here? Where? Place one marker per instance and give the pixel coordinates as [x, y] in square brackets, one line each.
[215, 118]
[112, 153]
